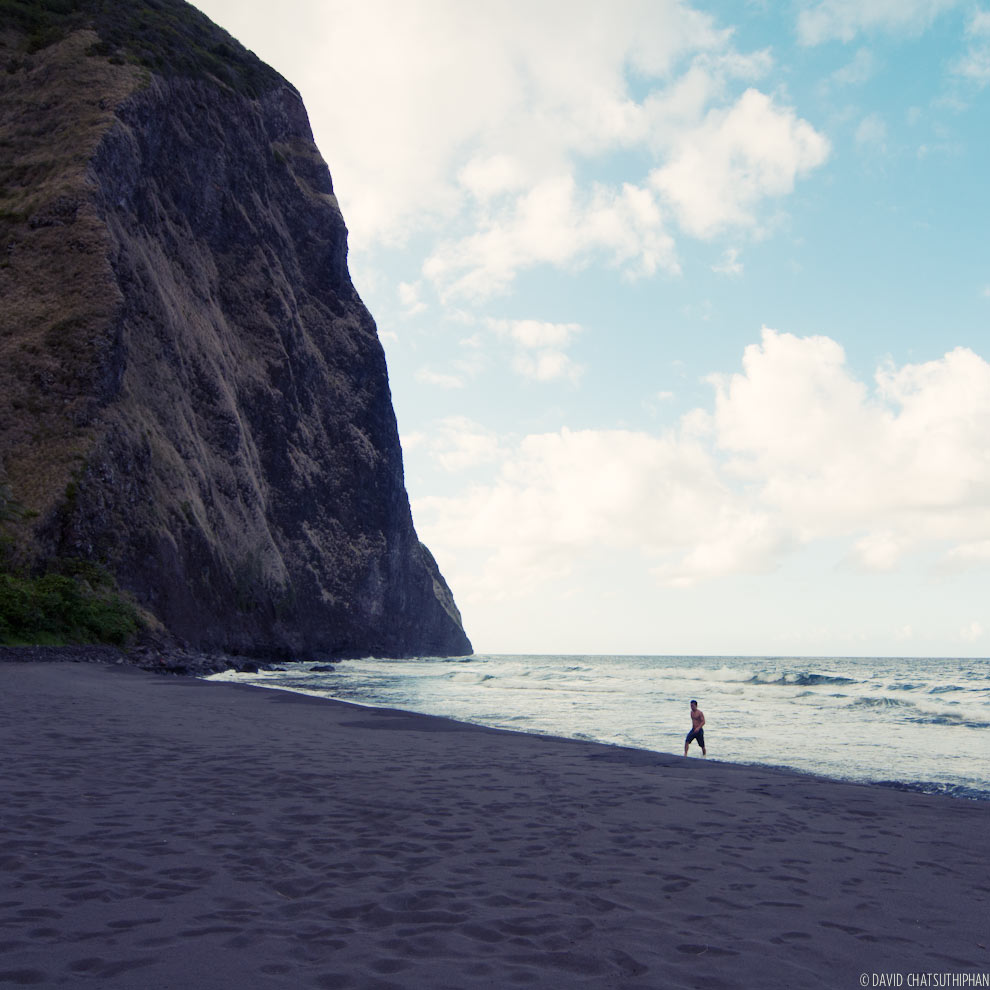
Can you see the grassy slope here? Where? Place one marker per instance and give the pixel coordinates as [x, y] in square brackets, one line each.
[169, 37]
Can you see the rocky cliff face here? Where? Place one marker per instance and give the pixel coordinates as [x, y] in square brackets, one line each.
[191, 390]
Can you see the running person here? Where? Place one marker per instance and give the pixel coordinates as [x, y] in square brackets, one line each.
[697, 729]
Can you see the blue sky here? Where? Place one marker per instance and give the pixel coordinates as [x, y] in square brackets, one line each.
[685, 305]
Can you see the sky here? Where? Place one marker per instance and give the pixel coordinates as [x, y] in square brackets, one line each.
[686, 307]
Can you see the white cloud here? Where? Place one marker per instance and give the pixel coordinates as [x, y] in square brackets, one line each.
[525, 132]
[979, 23]
[477, 101]
[730, 263]
[974, 65]
[546, 365]
[860, 70]
[871, 134]
[537, 350]
[554, 223]
[559, 496]
[794, 450]
[456, 443]
[409, 296]
[540, 348]
[487, 176]
[718, 173]
[720, 165]
[536, 333]
[429, 376]
[672, 110]
[904, 460]
[843, 20]
[723, 169]
[972, 632]
[965, 556]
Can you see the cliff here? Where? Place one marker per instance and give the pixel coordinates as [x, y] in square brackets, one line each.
[191, 392]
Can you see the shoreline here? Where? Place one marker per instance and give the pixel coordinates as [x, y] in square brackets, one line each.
[173, 660]
[931, 788]
[201, 665]
[170, 831]
[974, 790]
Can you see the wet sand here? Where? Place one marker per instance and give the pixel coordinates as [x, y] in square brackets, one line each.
[163, 832]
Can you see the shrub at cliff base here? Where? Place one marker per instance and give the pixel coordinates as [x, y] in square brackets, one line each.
[56, 609]
[74, 603]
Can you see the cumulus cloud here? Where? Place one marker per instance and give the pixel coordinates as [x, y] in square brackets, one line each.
[843, 20]
[540, 348]
[966, 555]
[730, 263]
[555, 223]
[489, 175]
[456, 443]
[559, 496]
[794, 449]
[409, 296]
[902, 460]
[527, 133]
[475, 102]
[535, 349]
[972, 632]
[719, 170]
[871, 134]
[974, 65]
[734, 159]
[441, 379]
[861, 69]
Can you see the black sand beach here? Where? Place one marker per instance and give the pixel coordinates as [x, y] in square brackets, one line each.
[169, 833]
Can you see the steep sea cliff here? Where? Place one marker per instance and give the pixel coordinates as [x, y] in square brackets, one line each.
[191, 391]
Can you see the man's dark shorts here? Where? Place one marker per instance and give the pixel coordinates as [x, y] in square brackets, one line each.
[698, 734]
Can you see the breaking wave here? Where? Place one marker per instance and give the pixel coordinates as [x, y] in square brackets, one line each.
[801, 680]
[881, 703]
[947, 719]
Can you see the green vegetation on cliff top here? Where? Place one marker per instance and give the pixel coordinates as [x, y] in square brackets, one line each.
[169, 37]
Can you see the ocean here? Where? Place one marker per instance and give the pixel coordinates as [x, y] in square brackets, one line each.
[921, 724]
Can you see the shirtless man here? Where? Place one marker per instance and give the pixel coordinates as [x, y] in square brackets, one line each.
[697, 729]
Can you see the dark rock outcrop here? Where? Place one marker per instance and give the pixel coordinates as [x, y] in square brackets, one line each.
[193, 393]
